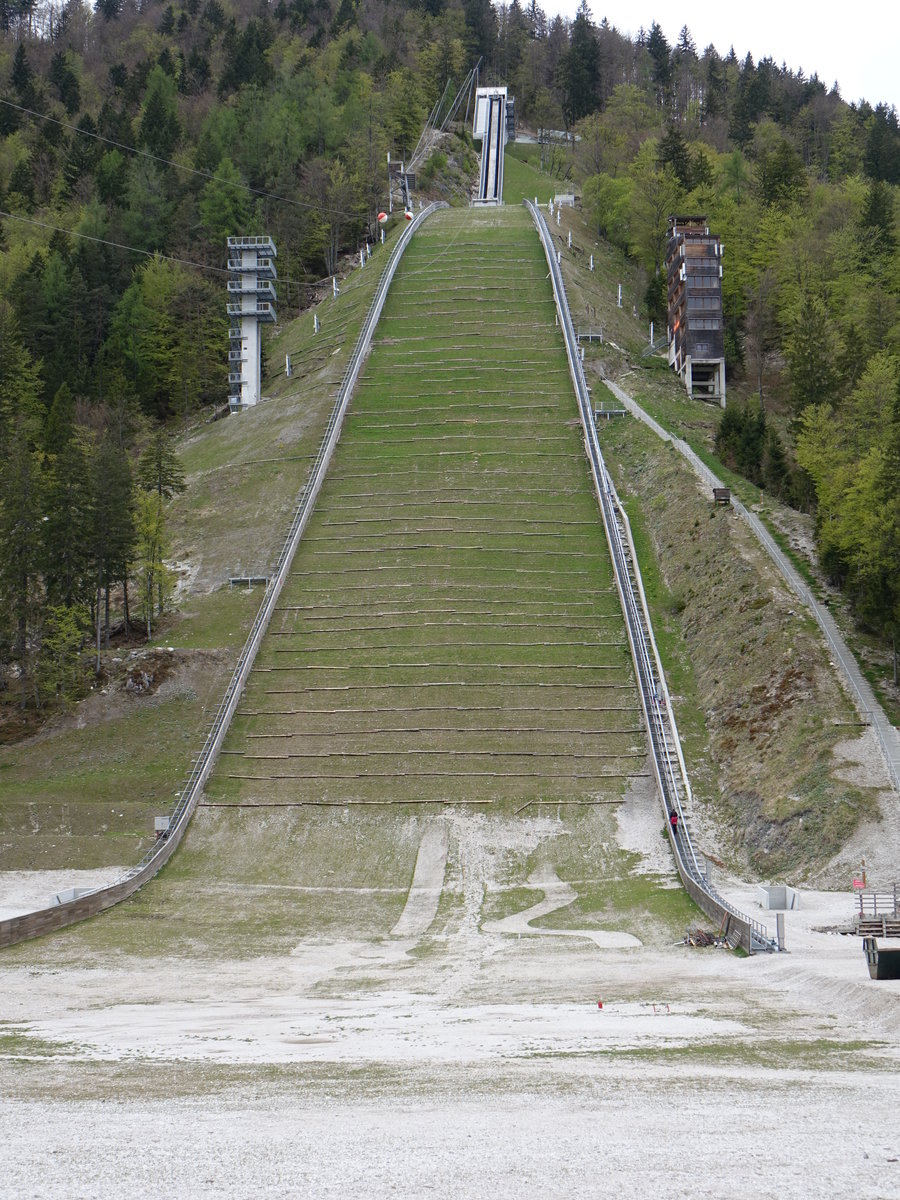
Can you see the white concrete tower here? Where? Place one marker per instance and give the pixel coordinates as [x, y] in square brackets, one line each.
[251, 299]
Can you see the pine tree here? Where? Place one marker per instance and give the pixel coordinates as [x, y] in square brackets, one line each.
[65, 81]
[21, 509]
[878, 221]
[20, 376]
[811, 352]
[673, 150]
[661, 64]
[59, 674]
[579, 69]
[146, 220]
[224, 204]
[481, 28]
[109, 10]
[714, 92]
[882, 154]
[68, 529]
[60, 423]
[151, 548]
[159, 469]
[112, 529]
[21, 76]
[82, 153]
[160, 128]
[21, 183]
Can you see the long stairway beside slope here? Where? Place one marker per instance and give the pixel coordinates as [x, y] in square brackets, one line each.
[450, 632]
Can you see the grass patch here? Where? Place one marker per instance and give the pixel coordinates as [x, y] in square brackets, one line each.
[820, 1055]
[666, 608]
[210, 622]
[523, 178]
[20, 1044]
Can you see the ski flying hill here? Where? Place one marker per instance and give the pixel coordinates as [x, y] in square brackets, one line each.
[459, 638]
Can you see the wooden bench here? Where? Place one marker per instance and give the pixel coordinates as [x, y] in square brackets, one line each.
[722, 495]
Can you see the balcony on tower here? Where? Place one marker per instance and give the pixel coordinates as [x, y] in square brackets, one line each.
[249, 285]
[264, 268]
[258, 245]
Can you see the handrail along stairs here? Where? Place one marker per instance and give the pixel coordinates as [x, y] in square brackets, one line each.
[667, 757]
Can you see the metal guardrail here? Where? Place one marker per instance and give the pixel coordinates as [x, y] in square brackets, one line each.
[156, 857]
[667, 757]
[863, 697]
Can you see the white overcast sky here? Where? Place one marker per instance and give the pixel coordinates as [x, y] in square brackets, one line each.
[857, 44]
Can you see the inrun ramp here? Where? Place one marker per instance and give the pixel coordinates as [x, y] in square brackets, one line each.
[450, 632]
[490, 121]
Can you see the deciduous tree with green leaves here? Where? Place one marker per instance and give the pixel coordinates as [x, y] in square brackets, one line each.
[155, 579]
[59, 675]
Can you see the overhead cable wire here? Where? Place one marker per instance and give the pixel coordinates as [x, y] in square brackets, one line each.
[208, 175]
[185, 262]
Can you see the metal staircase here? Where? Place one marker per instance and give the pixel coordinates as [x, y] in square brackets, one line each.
[667, 758]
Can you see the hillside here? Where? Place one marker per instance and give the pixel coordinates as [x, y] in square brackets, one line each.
[243, 476]
[133, 141]
[772, 740]
[379, 993]
[447, 664]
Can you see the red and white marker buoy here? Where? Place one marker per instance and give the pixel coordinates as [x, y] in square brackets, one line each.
[408, 215]
[382, 218]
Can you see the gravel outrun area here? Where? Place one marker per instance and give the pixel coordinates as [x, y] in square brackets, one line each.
[472, 1058]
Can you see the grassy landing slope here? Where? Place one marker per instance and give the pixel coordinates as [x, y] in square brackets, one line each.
[450, 632]
[84, 793]
[448, 661]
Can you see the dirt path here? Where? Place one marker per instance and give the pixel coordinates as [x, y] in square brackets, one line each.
[556, 895]
[428, 880]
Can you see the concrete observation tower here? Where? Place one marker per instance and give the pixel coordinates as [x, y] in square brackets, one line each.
[251, 303]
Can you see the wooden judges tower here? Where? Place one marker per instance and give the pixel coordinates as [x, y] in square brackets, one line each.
[696, 330]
